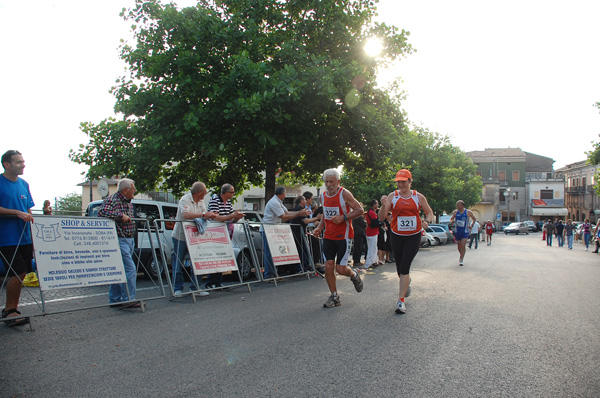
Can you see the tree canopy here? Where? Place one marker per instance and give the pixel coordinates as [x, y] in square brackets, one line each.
[233, 90]
[441, 172]
[69, 204]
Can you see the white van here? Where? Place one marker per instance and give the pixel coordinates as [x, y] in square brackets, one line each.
[150, 210]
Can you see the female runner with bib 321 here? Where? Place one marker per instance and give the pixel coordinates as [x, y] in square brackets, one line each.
[405, 205]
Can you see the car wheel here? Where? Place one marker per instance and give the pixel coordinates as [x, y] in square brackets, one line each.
[244, 265]
[437, 241]
[426, 243]
[526, 233]
[153, 268]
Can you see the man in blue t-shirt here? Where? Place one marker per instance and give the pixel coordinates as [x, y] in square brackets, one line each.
[16, 248]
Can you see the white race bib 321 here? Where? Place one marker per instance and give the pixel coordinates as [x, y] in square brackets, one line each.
[407, 223]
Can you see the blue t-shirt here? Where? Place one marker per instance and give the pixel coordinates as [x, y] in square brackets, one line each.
[14, 195]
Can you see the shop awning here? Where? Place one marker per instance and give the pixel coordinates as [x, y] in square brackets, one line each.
[549, 211]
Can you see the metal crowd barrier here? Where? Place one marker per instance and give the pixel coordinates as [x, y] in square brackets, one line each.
[249, 258]
[36, 297]
[153, 255]
[167, 257]
[306, 265]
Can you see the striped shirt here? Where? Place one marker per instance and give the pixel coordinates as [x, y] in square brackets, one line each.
[223, 208]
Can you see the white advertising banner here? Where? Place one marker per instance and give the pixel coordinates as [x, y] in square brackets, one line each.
[76, 252]
[212, 251]
[281, 244]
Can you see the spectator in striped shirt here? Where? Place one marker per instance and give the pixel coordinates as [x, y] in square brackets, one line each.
[221, 204]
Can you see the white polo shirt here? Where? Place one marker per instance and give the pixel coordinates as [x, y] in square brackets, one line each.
[186, 205]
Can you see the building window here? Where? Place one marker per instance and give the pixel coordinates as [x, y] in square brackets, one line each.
[515, 175]
[546, 194]
[502, 175]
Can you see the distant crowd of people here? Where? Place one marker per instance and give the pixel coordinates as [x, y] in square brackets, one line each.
[569, 232]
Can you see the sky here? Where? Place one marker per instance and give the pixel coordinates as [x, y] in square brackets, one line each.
[487, 74]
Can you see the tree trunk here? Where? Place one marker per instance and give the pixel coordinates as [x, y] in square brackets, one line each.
[271, 168]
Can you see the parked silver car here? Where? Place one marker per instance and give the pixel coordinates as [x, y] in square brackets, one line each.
[438, 233]
[516, 228]
[427, 239]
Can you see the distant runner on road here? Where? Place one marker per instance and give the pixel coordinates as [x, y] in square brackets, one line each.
[461, 218]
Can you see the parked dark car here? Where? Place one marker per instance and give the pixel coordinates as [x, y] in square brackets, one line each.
[532, 226]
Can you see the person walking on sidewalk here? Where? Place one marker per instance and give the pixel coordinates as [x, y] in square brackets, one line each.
[559, 229]
[406, 205]
[587, 233]
[549, 227]
[339, 209]
[489, 230]
[569, 233]
[461, 217]
[474, 235]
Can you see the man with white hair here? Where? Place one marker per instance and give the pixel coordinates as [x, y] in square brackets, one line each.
[191, 206]
[118, 207]
[339, 208]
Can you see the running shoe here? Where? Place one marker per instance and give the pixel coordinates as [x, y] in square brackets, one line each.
[400, 307]
[333, 301]
[460, 262]
[358, 283]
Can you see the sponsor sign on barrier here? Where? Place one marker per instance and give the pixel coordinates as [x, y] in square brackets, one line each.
[76, 252]
[281, 244]
[212, 251]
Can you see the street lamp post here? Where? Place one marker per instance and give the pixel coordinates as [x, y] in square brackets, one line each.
[507, 197]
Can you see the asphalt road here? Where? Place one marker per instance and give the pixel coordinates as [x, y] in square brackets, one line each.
[518, 320]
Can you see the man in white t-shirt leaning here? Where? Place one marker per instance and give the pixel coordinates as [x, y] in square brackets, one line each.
[191, 206]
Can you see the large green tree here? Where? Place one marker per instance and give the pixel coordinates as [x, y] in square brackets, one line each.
[233, 90]
[441, 172]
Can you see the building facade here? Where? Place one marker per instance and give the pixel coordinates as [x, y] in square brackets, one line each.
[517, 186]
[581, 200]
